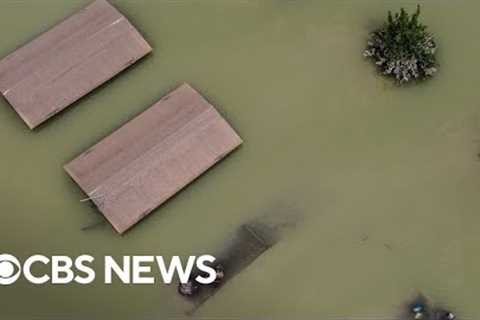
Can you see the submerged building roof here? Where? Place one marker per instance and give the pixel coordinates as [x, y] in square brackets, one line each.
[149, 159]
[63, 64]
[248, 243]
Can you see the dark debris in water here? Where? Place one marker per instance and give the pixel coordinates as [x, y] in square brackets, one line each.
[421, 308]
[249, 241]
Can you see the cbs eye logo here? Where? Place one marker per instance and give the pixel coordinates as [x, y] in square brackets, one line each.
[9, 269]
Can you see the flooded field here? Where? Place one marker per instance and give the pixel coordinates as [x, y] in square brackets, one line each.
[386, 179]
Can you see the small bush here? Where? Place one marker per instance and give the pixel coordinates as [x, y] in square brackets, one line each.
[402, 48]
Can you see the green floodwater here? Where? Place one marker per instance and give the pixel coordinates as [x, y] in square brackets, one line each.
[387, 179]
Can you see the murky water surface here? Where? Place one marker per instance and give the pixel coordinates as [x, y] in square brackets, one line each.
[387, 179]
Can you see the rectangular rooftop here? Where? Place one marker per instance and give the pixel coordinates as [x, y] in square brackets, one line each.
[63, 64]
[138, 167]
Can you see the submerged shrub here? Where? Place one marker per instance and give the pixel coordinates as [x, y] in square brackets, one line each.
[402, 48]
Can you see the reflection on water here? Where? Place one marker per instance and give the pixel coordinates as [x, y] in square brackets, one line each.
[387, 178]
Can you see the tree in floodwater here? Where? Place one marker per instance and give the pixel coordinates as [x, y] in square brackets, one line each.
[402, 48]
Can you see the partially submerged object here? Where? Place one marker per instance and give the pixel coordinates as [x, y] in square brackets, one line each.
[192, 287]
[444, 314]
[420, 308]
[63, 64]
[250, 242]
[149, 159]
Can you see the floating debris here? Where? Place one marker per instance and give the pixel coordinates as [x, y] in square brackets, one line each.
[189, 289]
[442, 314]
[418, 309]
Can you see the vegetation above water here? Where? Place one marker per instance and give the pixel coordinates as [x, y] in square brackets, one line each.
[402, 48]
